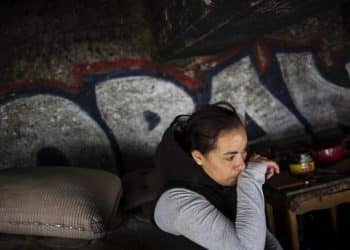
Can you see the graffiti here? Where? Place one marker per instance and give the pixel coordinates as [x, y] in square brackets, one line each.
[31, 126]
[323, 102]
[115, 113]
[240, 85]
[138, 110]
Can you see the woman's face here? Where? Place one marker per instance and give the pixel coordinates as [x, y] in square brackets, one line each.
[227, 160]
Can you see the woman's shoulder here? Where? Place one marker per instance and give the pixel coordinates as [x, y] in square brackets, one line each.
[177, 197]
[178, 204]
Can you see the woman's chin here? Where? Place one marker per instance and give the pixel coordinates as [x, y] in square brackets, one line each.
[232, 181]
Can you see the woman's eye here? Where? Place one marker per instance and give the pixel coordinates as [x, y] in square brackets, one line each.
[231, 158]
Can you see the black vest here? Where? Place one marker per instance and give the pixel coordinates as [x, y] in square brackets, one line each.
[181, 171]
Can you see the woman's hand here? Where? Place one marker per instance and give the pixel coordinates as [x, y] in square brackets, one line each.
[271, 167]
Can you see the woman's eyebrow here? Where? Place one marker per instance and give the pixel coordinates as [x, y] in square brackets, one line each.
[231, 153]
[234, 152]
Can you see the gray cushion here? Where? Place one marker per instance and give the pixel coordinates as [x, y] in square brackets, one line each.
[58, 201]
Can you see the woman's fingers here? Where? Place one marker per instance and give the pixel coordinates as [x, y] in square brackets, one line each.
[269, 174]
[272, 167]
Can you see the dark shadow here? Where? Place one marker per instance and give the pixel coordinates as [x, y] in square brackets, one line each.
[51, 156]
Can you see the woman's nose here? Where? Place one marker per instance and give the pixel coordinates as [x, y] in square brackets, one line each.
[241, 159]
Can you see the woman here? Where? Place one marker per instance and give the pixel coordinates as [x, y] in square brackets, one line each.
[212, 199]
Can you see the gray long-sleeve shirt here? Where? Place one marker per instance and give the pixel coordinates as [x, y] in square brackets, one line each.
[180, 211]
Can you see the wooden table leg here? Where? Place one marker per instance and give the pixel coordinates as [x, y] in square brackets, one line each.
[293, 229]
[270, 219]
[333, 211]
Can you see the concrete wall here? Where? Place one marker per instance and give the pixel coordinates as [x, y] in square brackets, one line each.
[114, 112]
[81, 83]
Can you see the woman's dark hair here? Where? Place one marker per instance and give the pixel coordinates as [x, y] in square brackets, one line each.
[202, 128]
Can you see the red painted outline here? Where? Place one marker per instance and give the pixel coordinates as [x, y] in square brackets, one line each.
[128, 64]
[14, 86]
[221, 57]
[261, 53]
[104, 67]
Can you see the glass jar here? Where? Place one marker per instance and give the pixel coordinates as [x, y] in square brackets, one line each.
[301, 163]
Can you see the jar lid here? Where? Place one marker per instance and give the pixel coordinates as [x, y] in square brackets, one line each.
[302, 157]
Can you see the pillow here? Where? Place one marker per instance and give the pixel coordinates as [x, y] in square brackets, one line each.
[58, 201]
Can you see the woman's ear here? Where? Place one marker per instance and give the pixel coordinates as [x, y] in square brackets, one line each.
[197, 157]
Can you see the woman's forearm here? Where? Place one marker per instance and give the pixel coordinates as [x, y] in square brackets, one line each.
[250, 217]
